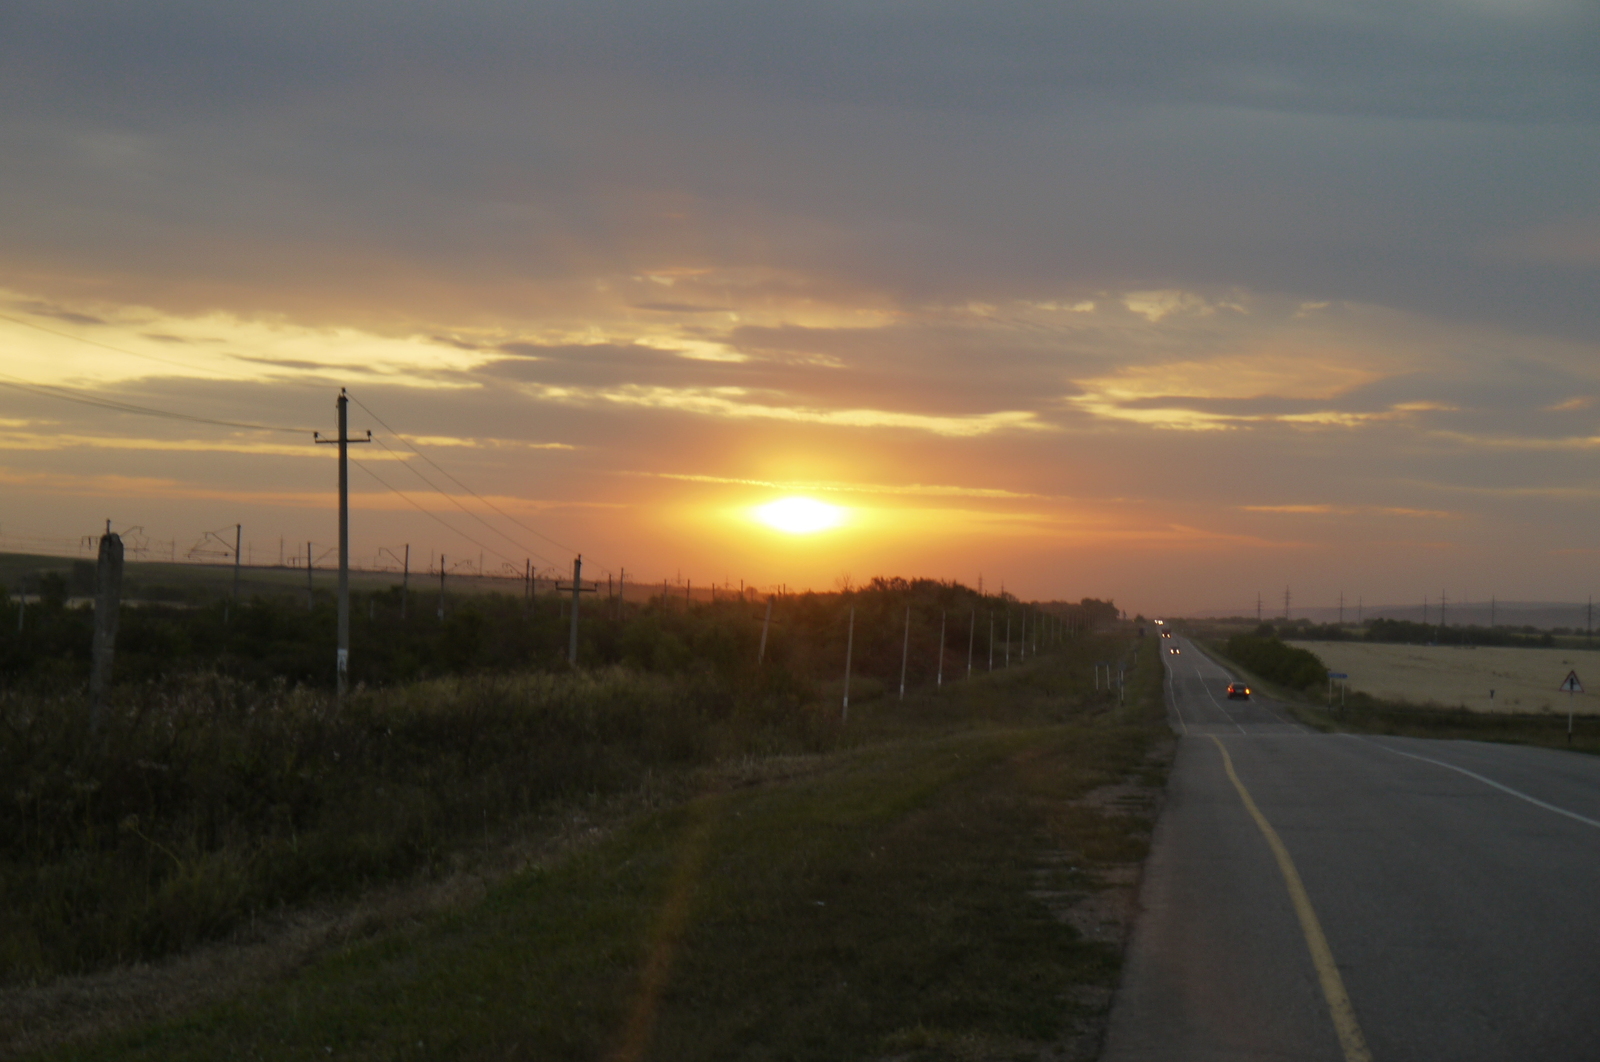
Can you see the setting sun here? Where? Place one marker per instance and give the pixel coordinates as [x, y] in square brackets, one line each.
[799, 516]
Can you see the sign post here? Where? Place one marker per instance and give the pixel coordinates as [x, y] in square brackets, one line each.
[1572, 687]
[1341, 676]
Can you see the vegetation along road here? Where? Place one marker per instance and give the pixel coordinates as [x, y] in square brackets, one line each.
[949, 876]
[1343, 896]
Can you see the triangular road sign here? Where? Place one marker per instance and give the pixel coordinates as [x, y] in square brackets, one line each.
[1571, 684]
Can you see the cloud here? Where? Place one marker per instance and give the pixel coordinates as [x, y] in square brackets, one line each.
[732, 403]
[838, 487]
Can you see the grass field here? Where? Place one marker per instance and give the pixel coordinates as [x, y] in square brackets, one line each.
[941, 891]
[1523, 680]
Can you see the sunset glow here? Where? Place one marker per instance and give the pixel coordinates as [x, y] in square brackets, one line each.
[799, 516]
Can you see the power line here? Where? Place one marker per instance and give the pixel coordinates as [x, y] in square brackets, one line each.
[72, 394]
[97, 343]
[457, 482]
[451, 499]
[430, 513]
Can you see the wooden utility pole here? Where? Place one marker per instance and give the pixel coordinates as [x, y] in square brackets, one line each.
[310, 590]
[441, 588]
[991, 639]
[107, 605]
[342, 659]
[405, 582]
[238, 538]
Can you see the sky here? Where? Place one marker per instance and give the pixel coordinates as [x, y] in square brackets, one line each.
[1169, 301]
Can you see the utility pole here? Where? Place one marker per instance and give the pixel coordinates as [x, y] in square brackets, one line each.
[107, 606]
[991, 639]
[938, 681]
[577, 588]
[311, 602]
[405, 581]
[1008, 637]
[238, 534]
[342, 661]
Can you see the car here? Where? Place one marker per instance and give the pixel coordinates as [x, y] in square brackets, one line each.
[1238, 691]
[1173, 650]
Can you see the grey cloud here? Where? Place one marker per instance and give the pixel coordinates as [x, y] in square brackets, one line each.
[267, 157]
[678, 307]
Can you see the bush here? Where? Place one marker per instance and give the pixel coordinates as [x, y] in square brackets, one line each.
[1273, 660]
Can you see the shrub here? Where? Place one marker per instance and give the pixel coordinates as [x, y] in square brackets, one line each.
[1273, 660]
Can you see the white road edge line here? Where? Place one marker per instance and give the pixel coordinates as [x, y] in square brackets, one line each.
[1487, 781]
[1172, 693]
[1207, 687]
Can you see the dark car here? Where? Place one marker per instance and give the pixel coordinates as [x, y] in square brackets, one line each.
[1238, 691]
[1173, 650]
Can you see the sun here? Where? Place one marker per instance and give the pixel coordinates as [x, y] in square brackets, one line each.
[799, 516]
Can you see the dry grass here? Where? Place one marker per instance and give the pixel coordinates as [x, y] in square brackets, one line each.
[1524, 680]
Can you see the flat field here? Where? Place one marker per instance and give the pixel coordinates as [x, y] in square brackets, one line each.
[1523, 680]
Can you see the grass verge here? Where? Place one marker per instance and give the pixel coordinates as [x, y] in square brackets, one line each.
[910, 898]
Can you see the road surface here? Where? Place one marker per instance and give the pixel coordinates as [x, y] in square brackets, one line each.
[1344, 897]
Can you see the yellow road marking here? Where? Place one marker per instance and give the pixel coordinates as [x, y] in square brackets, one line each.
[1339, 1008]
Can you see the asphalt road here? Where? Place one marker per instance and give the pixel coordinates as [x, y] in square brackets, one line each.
[1457, 895]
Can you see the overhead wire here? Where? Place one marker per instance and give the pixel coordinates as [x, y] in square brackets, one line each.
[431, 514]
[72, 394]
[79, 396]
[452, 500]
[407, 443]
[97, 343]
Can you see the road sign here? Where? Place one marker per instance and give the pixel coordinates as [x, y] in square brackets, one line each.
[1337, 675]
[1571, 684]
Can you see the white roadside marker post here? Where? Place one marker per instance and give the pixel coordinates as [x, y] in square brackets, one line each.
[849, 646]
[761, 654]
[905, 652]
[972, 633]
